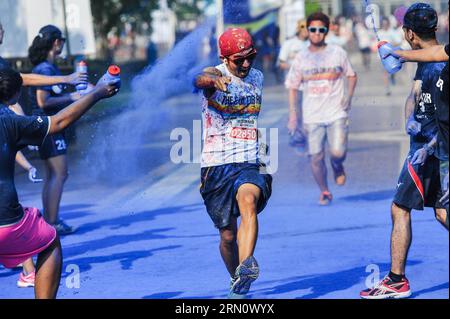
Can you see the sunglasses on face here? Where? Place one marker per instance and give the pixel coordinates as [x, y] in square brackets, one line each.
[240, 61]
[315, 30]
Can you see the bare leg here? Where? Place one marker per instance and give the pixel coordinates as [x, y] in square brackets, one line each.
[247, 197]
[28, 267]
[337, 160]
[319, 170]
[228, 247]
[48, 273]
[57, 168]
[401, 238]
[441, 216]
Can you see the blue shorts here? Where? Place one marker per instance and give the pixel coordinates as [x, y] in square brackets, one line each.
[334, 133]
[419, 186]
[220, 184]
[54, 145]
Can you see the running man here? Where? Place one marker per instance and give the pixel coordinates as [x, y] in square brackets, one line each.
[321, 71]
[232, 182]
[17, 132]
[418, 185]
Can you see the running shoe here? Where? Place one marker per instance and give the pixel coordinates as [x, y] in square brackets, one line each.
[388, 289]
[26, 281]
[325, 198]
[63, 229]
[231, 293]
[246, 274]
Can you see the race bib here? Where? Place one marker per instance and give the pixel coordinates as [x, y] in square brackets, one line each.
[244, 129]
[318, 88]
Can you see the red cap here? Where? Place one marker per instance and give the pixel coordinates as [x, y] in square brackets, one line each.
[82, 63]
[114, 70]
[234, 40]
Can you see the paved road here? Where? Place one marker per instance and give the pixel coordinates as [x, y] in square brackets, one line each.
[144, 233]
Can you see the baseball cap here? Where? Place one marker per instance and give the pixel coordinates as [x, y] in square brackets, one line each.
[420, 17]
[235, 40]
[50, 31]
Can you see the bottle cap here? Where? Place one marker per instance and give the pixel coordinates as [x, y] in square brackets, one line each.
[82, 63]
[114, 70]
[381, 43]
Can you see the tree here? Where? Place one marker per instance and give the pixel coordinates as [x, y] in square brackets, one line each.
[312, 6]
[185, 9]
[108, 14]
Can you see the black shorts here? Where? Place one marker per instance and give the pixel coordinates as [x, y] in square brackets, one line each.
[419, 186]
[219, 186]
[54, 145]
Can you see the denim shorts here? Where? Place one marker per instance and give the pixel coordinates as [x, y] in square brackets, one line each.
[220, 184]
[334, 133]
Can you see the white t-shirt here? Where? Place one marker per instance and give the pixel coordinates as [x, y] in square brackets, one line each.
[321, 76]
[230, 120]
[391, 36]
[290, 48]
[337, 40]
[363, 36]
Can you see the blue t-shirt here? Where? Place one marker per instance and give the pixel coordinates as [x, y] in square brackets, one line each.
[46, 68]
[4, 64]
[425, 109]
[16, 132]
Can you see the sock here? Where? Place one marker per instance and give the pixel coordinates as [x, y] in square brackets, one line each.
[395, 277]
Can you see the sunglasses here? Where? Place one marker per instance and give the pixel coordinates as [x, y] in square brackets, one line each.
[315, 30]
[240, 61]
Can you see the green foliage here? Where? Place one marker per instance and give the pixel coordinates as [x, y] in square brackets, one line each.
[312, 6]
[185, 9]
[108, 13]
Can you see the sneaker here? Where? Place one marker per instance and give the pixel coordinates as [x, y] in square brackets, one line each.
[325, 198]
[231, 294]
[388, 289]
[63, 229]
[246, 274]
[340, 179]
[26, 281]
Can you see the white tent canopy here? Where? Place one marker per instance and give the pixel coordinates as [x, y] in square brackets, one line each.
[22, 20]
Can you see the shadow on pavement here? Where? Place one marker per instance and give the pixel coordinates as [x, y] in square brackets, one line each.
[431, 289]
[371, 196]
[126, 259]
[323, 284]
[129, 218]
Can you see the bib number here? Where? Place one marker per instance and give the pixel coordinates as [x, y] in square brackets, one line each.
[244, 129]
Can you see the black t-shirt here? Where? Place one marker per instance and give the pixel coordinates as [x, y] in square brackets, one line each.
[16, 132]
[4, 63]
[425, 109]
[442, 112]
[49, 69]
